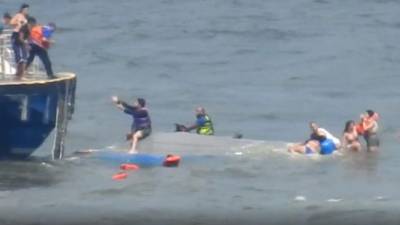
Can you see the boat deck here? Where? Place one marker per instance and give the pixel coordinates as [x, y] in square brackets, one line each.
[34, 78]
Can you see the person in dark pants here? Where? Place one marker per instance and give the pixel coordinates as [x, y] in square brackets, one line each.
[141, 126]
[18, 39]
[39, 43]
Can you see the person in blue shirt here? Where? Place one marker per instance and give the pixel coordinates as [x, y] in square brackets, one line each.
[141, 125]
[203, 124]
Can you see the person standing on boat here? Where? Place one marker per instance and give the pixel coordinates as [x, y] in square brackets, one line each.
[6, 22]
[39, 42]
[141, 125]
[19, 38]
[203, 124]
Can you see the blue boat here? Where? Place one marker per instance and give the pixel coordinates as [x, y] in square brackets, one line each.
[30, 109]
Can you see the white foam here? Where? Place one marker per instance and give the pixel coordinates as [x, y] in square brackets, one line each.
[300, 198]
[46, 165]
[334, 200]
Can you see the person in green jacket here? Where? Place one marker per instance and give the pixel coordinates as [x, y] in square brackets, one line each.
[203, 124]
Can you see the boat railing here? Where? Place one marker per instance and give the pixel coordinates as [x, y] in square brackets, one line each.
[7, 62]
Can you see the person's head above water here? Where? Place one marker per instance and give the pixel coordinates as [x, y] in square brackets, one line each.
[349, 126]
[370, 112]
[200, 111]
[314, 126]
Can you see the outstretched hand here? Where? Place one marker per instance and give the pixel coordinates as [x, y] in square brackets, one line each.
[114, 99]
[180, 128]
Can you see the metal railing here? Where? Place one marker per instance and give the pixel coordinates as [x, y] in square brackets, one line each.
[7, 62]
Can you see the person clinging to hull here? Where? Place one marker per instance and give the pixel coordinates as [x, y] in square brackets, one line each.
[141, 125]
[203, 124]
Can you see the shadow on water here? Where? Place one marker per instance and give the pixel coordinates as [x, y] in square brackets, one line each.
[28, 173]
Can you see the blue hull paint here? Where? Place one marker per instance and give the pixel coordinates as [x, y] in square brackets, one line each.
[143, 160]
[28, 114]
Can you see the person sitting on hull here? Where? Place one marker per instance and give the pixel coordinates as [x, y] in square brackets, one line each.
[320, 141]
[141, 125]
[203, 124]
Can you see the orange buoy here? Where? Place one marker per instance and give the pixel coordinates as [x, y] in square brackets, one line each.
[129, 166]
[120, 176]
[171, 160]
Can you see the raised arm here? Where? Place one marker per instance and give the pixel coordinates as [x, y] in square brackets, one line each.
[123, 105]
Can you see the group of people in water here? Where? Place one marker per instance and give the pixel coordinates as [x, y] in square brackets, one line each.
[323, 142]
[29, 39]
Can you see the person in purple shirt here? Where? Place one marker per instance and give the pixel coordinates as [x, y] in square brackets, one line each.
[141, 124]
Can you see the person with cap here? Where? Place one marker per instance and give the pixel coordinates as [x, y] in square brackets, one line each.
[19, 38]
[39, 42]
[203, 124]
[141, 125]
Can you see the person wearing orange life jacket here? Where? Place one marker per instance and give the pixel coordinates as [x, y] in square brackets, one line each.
[370, 126]
[39, 43]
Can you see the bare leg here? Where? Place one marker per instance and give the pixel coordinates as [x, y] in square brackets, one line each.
[135, 138]
[300, 148]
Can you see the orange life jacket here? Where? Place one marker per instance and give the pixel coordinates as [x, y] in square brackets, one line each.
[37, 35]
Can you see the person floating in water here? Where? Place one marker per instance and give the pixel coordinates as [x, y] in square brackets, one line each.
[320, 141]
[141, 125]
[19, 39]
[203, 124]
[350, 137]
[370, 129]
[39, 42]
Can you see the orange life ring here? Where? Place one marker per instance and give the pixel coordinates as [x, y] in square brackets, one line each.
[129, 166]
[172, 160]
[120, 176]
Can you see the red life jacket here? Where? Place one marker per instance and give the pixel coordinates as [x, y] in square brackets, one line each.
[37, 36]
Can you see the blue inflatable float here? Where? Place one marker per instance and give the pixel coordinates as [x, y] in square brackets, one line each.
[327, 147]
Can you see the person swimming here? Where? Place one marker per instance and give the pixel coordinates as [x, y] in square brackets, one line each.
[311, 145]
[320, 141]
[350, 137]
